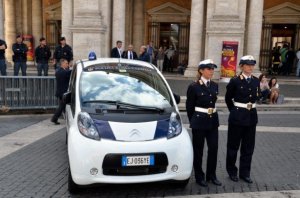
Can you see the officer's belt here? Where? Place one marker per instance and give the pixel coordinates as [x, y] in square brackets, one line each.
[248, 105]
[209, 111]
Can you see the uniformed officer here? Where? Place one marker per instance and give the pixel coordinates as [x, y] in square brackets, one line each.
[242, 93]
[204, 121]
[62, 75]
[62, 51]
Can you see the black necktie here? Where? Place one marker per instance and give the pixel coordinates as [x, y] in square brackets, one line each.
[131, 55]
[207, 83]
[249, 80]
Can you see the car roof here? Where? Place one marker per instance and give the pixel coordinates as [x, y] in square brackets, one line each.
[87, 62]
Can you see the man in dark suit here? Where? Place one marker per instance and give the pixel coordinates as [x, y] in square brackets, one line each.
[116, 52]
[242, 93]
[62, 75]
[130, 54]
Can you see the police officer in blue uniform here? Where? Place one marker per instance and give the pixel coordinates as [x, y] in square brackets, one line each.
[204, 121]
[242, 93]
[62, 51]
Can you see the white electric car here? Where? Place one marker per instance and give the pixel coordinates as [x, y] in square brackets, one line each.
[123, 125]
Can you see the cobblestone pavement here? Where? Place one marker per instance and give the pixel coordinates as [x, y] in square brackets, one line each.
[40, 169]
[12, 123]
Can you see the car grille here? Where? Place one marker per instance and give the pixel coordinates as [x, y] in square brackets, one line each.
[112, 165]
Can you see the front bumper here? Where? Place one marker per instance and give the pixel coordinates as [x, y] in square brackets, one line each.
[85, 154]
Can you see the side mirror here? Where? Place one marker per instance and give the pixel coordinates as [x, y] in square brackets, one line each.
[67, 98]
[177, 98]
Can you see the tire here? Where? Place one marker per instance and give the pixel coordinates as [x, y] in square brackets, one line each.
[181, 183]
[72, 186]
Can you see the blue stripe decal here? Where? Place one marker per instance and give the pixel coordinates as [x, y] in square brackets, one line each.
[151, 160]
[162, 129]
[104, 129]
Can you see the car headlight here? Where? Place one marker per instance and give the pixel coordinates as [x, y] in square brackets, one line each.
[86, 126]
[175, 126]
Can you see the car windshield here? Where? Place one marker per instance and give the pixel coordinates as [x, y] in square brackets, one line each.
[108, 86]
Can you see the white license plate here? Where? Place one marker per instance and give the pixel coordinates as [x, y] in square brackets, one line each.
[144, 160]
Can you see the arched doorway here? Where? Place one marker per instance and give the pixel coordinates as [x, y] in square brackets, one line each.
[281, 26]
[169, 24]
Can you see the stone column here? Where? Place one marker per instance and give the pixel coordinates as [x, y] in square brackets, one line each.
[118, 27]
[67, 20]
[37, 21]
[138, 24]
[10, 27]
[254, 30]
[1, 20]
[196, 30]
[106, 13]
[24, 17]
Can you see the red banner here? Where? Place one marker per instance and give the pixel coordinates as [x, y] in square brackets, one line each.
[229, 59]
[28, 40]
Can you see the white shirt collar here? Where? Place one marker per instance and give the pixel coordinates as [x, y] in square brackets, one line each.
[246, 76]
[204, 80]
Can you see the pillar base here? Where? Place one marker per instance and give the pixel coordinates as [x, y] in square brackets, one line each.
[191, 72]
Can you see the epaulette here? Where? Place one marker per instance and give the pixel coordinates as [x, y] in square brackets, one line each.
[201, 82]
[254, 77]
[241, 77]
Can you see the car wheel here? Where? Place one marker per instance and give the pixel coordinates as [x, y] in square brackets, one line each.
[181, 183]
[73, 188]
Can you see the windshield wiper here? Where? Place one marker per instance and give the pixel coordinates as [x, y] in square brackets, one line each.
[120, 104]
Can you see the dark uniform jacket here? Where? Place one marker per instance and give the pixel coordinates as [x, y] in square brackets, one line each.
[115, 53]
[239, 90]
[63, 52]
[20, 52]
[2, 51]
[145, 57]
[199, 95]
[125, 55]
[42, 54]
[62, 81]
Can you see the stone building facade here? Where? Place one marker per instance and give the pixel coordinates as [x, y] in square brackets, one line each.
[197, 28]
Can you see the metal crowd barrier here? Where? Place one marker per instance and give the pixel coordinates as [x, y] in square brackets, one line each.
[28, 92]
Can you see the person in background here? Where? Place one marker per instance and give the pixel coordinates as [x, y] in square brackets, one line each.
[63, 50]
[290, 58]
[62, 75]
[283, 52]
[160, 58]
[151, 51]
[20, 56]
[264, 87]
[243, 91]
[116, 52]
[169, 58]
[276, 60]
[130, 54]
[274, 89]
[3, 47]
[298, 63]
[42, 56]
[204, 121]
[144, 56]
